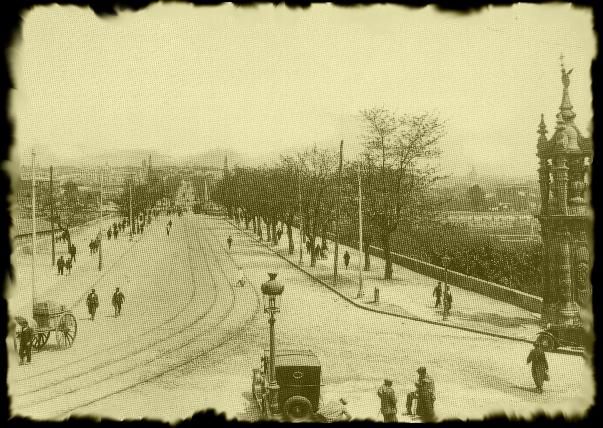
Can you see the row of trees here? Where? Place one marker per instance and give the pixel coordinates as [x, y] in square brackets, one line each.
[395, 168]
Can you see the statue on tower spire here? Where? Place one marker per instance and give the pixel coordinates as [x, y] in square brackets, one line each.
[566, 106]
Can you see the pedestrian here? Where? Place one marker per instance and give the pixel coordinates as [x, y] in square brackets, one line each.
[60, 265]
[540, 366]
[447, 302]
[437, 292]
[425, 396]
[142, 228]
[346, 259]
[229, 241]
[115, 233]
[317, 251]
[334, 411]
[68, 265]
[168, 230]
[170, 223]
[324, 249]
[92, 302]
[73, 252]
[91, 246]
[25, 342]
[388, 401]
[308, 247]
[279, 234]
[109, 234]
[117, 300]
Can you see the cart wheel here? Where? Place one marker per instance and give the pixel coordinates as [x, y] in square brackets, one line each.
[66, 331]
[297, 408]
[40, 340]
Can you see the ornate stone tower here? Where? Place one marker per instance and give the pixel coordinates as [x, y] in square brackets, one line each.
[565, 216]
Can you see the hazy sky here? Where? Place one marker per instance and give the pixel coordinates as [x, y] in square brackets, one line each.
[183, 79]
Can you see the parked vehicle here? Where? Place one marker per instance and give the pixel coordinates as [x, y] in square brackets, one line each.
[50, 317]
[556, 335]
[297, 373]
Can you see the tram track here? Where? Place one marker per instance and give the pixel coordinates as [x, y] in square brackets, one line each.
[187, 361]
[153, 357]
[38, 376]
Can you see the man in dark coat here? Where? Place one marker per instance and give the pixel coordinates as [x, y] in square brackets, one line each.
[115, 233]
[92, 302]
[437, 292]
[308, 247]
[229, 242]
[447, 302]
[109, 234]
[60, 265]
[117, 301]
[69, 265]
[540, 366]
[72, 251]
[346, 259]
[388, 401]
[91, 246]
[25, 342]
[425, 396]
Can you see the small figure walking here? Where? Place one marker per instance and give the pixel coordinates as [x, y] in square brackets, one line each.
[91, 246]
[115, 233]
[168, 230]
[92, 302]
[109, 234]
[425, 396]
[447, 302]
[388, 401]
[308, 247]
[540, 366]
[229, 241]
[72, 252]
[346, 259]
[25, 342]
[437, 292]
[60, 265]
[68, 265]
[117, 301]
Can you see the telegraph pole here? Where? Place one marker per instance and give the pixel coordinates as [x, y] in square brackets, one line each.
[33, 235]
[131, 219]
[360, 292]
[301, 221]
[52, 217]
[100, 231]
[338, 213]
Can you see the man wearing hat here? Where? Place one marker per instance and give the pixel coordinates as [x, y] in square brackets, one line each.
[424, 394]
[334, 411]
[388, 401]
[117, 300]
[92, 302]
[25, 342]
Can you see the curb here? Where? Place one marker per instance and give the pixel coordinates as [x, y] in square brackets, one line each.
[349, 300]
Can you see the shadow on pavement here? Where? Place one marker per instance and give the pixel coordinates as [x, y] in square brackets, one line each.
[495, 319]
[252, 410]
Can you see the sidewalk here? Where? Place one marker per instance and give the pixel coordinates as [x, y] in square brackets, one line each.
[409, 294]
[67, 289]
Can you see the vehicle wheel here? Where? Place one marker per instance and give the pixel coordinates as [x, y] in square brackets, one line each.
[547, 342]
[40, 340]
[66, 331]
[297, 408]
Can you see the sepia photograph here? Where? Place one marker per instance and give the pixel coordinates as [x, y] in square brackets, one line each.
[317, 214]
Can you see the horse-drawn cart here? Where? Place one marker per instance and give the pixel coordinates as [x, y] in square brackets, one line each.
[50, 317]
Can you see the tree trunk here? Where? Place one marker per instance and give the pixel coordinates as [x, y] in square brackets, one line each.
[387, 255]
[274, 237]
[290, 237]
[313, 254]
[246, 217]
[254, 225]
[366, 246]
[260, 228]
[268, 229]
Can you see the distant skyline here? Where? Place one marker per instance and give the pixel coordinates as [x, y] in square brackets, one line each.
[262, 80]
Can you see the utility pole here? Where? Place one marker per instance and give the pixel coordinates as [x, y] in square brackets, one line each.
[301, 221]
[338, 213]
[100, 226]
[33, 235]
[360, 291]
[131, 219]
[52, 217]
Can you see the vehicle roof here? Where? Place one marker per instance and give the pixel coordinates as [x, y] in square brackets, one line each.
[294, 357]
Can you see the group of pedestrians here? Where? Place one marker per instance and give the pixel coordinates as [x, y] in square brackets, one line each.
[447, 298]
[92, 302]
[63, 264]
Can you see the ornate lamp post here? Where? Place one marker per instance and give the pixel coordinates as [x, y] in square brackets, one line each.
[271, 293]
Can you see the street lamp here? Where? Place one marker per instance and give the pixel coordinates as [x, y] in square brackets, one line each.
[271, 294]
